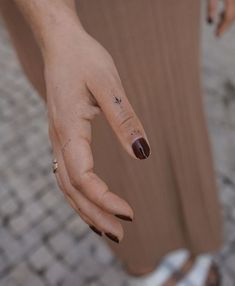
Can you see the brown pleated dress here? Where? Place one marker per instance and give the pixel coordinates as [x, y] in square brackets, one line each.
[156, 47]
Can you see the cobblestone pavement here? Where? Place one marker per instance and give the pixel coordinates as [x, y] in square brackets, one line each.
[42, 241]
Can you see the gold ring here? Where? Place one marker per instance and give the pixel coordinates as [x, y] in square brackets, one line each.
[55, 165]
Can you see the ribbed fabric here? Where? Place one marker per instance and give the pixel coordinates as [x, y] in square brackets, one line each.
[156, 47]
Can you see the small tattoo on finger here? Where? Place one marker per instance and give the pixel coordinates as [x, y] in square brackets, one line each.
[118, 100]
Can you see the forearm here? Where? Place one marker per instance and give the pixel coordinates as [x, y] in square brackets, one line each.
[46, 18]
[25, 45]
[35, 26]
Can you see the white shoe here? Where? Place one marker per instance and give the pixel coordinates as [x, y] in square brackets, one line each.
[198, 274]
[171, 262]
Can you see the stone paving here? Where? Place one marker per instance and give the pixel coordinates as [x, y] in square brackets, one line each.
[43, 242]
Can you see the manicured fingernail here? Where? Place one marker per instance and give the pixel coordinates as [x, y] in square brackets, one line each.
[209, 20]
[95, 230]
[112, 236]
[141, 148]
[124, 217]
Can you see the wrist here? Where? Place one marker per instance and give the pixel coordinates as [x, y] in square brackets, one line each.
[58, 31]
[50, 21]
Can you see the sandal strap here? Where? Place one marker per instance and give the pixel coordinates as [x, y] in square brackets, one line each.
[180, 274]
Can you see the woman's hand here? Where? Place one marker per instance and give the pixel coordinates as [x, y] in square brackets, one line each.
[226, 18]
[81, 81]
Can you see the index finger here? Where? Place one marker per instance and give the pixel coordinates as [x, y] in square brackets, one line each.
[79, 164]
[106, 87]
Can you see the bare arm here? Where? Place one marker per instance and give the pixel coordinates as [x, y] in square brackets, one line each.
[46, 17]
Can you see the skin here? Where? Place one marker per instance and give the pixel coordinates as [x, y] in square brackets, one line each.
[225, 18]
[85, 84]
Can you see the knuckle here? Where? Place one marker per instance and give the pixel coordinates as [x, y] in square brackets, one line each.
[102, 195]
[126, 121]
[79, 181]
[99, 217]
[108, 59]
[75, 181]
[110, 81]
[107, 74]
[87, 177]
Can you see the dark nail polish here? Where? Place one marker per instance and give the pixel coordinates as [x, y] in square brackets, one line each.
[209, 20]
[124, 217]
[112, 236]
[141, 148]
[95, 230]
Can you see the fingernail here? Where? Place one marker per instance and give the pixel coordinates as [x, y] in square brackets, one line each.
[112, 236]
[141, 148]
[95, 230]
[209, 20]
[124, 217]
